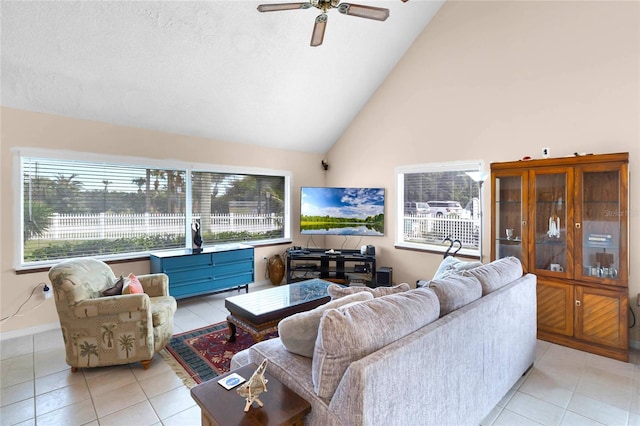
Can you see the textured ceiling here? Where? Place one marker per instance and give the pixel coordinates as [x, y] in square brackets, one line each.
[216, 69]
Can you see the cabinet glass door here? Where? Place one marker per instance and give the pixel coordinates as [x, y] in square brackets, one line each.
[510, 199]
[599, 226]
[551, 234]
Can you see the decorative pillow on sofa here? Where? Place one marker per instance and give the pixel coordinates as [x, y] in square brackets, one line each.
[453, 266]
[455, 292]
[352, 332]
[116, 290]
[496, 274]
[336, 291]
[298, 332]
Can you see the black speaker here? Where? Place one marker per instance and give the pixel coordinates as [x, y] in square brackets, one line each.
[384, 276]
[371, 250]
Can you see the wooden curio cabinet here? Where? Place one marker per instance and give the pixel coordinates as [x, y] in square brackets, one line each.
[566, 220]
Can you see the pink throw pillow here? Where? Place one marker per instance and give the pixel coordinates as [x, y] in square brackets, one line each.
[133, 286]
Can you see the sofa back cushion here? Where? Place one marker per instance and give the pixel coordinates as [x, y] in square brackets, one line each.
[299, 331]
[347, 334]
[496, 274]
[455, 292]
[337, 291]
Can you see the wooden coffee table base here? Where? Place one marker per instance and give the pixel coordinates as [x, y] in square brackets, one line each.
[222, 407]
[257, 331]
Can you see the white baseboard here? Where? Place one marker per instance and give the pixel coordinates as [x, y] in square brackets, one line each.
[27, 331]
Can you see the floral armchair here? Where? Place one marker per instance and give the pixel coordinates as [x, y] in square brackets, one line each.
[109, 330]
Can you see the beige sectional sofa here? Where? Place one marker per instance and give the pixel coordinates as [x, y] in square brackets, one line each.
[442, 354]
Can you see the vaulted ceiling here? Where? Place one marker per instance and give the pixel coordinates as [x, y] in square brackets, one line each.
[216, 69]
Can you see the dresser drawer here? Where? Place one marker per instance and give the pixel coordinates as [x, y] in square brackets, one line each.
[232, 256]
[190, 262]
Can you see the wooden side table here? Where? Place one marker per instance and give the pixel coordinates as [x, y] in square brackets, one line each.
[224, 407]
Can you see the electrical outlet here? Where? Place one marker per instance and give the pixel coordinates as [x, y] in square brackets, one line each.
[545, 152]
[46, 292]
[264, 258]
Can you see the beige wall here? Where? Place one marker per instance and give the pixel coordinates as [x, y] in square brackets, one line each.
[28, 129]
[496, 81]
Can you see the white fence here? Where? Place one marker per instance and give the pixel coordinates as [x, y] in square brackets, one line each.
[107, 226]
[432, 230]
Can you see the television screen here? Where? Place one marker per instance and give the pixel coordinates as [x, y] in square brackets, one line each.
[342, 211]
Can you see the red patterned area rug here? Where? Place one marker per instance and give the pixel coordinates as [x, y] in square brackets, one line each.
[203, 354]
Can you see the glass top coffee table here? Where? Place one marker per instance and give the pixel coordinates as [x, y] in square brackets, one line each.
[259, 313]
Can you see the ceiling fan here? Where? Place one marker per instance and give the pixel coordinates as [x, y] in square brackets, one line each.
[369, 12]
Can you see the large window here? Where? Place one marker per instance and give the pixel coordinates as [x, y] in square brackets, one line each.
[439, 203]
[72, 205]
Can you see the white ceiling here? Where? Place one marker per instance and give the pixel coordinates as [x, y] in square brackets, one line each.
[216, 69]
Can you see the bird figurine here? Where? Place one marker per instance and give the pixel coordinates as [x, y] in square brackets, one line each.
[196, 236]
[252, 389]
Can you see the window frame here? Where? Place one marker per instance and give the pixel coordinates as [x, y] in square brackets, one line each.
[66, 155]
[453, 166]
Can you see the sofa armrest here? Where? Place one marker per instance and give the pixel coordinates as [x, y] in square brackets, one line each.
[113, 305]
[155, 284]
[240, 359]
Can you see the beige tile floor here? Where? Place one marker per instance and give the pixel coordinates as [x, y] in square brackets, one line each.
[565, 387]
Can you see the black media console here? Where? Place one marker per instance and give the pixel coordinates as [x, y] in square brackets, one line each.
[348, 267]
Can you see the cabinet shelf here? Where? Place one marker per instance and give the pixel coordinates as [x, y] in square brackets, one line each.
[509, 241]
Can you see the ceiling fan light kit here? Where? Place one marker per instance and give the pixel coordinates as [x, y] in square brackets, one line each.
[358, 10]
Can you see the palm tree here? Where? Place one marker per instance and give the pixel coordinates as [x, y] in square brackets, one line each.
[66, 189]
[147, 195]
[107, 333]
[126, 343]
[139, 182]
[36, 219]
[158, 174]
[87, 349]
[106, 183]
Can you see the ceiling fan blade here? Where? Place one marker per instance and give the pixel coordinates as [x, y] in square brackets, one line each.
[369, 12]
[283, 6]
[318, 30]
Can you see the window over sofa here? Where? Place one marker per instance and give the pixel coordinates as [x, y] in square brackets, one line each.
[439, 200]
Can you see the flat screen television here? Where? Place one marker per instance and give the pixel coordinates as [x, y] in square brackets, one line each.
[342, 211]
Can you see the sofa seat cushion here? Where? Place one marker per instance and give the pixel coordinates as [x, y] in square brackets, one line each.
[349, 333]
[162, 309]
[455, 292]
[336, 291]
[298, 332]
[496, 274]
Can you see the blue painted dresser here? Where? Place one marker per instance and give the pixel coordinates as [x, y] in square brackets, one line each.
[217, 268]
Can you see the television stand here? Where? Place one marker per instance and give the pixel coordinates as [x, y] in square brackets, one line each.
[348, 267]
